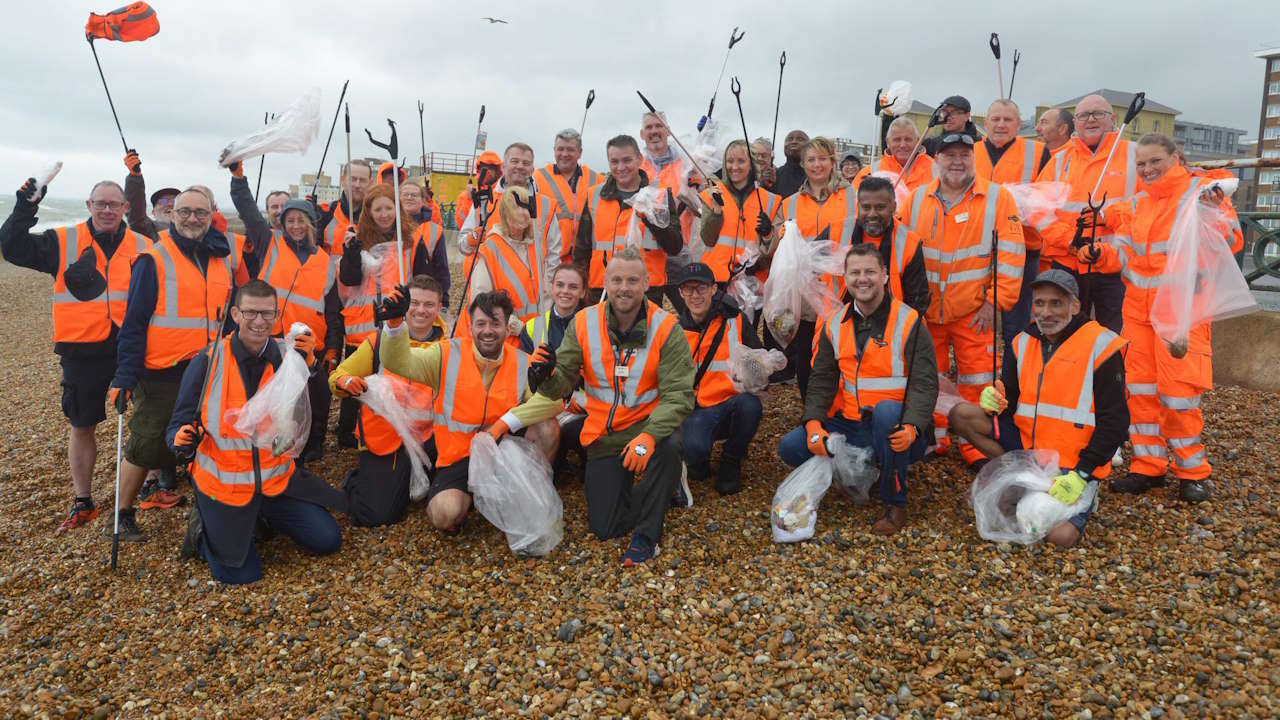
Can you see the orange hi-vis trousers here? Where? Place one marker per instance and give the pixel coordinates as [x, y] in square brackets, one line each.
[1164, 403]
[973, 371]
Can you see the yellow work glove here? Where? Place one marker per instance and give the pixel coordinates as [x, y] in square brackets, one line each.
[992, 399]
[1067, 487]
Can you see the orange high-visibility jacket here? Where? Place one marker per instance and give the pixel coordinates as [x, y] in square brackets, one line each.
[1020, 164]
[621, 385]
[228, 467]
[716, 384]
[880, 371]
[335, 231]
[672, 177]
[464, 405]
[520, 277]
[300, 288]
[609, 222]
[923, 171]
[957, 247]
[189, 303]
[357, 306]
[739, 229]
[89, 321]
[376, 434]
[838, 213]
[905, 244]
[1080, 167]
[1056, 404]
[569, 203]
[430, 233]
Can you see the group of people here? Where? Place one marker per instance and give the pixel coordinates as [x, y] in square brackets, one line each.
[586, 325]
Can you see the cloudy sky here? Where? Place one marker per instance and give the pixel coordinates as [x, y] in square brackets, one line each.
[215, 67]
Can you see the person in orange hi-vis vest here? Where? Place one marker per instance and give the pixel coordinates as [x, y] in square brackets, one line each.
[874, 380]
[899, 246]
[336, 217]
[567, 181]
[179, 291]
[514, 259]
[1079, 164]
[475, 381]
[1063, 391]
[430, 231]
[900, 139]
[377, 489]
[634, 363]
[1165, 380]
[488, 171]
[1005, 158]
[517, 171]
[955, 217]
[236, 482]
[738, 217]
[668, 168]
[716, 329]
[89, 263]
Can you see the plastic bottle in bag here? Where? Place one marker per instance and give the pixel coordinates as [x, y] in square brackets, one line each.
[651, 202]
[1011, 501]
[278, 416]
[750, 368]
[510, 483]
[795, 282]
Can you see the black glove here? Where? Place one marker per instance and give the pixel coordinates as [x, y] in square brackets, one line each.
[350, 270]
[186, 442]
[120, 398]
[237, 169]
[395, 305]
[28, 194]
[764, 225]
[82, 278]
[716, 197]
[672, 210]
[1078, 240]
[542, 365]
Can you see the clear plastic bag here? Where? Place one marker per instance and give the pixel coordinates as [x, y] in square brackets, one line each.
[651, 202]
[901, 193]
[511, 485]
[291, 131]
[46, 176]
[744, 287]
[795, 283]
[854, 468]
[278, 416]
[793, 516]
[1039, 202]
[409, 413]
[380, 272]
[1011, 501]
[896, 99]
[948, 396]
[1201, 281]
[750, 368]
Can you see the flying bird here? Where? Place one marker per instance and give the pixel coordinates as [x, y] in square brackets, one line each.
[494, 21]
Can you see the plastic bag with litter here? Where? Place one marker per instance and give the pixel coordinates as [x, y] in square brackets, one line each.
[1201, 281]
[651, 202]
[408, 412]
[795, 282]
[745, 287]
[896, 99]
[855, 470]
[750, 368]
[1011, 501]
[291, 131]
[793, 516]
[278, 416]
[1039, 202]
[511, 485]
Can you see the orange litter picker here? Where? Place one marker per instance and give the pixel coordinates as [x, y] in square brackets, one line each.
[132, 23]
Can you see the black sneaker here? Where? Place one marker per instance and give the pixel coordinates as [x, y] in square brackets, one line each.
[682, 498]
[1136, 483]
[699, 472]
[348, 441]
[191, 540]
[1194, 491]
[640, 551]
[129, 531]
[729, 475]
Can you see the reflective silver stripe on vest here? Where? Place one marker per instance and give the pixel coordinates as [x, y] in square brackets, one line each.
[596, 344]
[566, 212]
[524, 305]
[1144, 429]
[850, 217]
[170, 318]
[213, 416]
[897, 379]
[1141, 388]
[917, 202]
[1082, 413]
[1179, 404]
[456, 358]
[1157, 451]
[1131, 172]
[1189, 463]
[900, 246]
[982, 378]
[1028, 161]
[631, 396]
[1185, 442]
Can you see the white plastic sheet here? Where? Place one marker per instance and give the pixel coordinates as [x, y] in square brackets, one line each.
[278, 416]
[1011, 501]
[45, 177]
[855, 470]
[795, 282]
[651, 202]
[408, 412]
[1039, 202]
[896, 99]
[511, 485]
[1201, 281]
[948, 395]
[750, 368]
[292, 131]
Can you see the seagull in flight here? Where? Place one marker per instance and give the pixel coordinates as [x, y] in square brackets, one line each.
[494, 21]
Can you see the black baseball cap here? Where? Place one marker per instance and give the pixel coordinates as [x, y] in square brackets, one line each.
[169, 192]
[958, 101]
[964, 137]
[697, 272]
[1058, 278]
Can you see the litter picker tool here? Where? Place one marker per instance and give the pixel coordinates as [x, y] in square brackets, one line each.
[705, 177]
[777, 106]
[995, 50]
[475, 148]
[332, 127]
[392, 147]
[877, 138]
[591, 97]
[132, 23]
[1135, 106]
[351, 204]
[937, 118]
[115, 532]
[736, 87]
[262, 161]
[1014, 75]
[995, 328]
[734, 38]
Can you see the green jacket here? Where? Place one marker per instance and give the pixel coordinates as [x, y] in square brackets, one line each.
[675, 384]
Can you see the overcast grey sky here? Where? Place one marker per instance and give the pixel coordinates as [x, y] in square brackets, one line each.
[215, 67]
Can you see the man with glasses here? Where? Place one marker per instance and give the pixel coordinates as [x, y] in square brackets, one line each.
[179, 293]
[962, 220]
[956, 114]
[1079, 164]
[89, 263]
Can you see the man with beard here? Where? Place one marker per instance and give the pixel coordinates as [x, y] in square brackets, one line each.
[899, 246]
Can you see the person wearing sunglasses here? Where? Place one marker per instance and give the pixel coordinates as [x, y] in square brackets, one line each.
[89, 262]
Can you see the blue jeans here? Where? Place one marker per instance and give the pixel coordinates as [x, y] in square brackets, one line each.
[1011, 439]
[735, 421]
[1017, 319]
[794, 448]
[308, 524]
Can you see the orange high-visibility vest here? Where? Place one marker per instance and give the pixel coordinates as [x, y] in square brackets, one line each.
[228, 467]
[569, 202]
[300, 288]
[541, 225]
[621, 385]
[905, 244]
[87, 321]
[430, 233]
[923, 171]
[1079, 167]
[739, 229]
[671, 177]
[335, 231]
[880, 371]
[609, 222]
[478, 406]
[716, 384]
[375, 433]
[1018, 165]
[957, 249]
[189, 303]
[357, 306]
[1055, 400]
[839, 212]
[520, 277]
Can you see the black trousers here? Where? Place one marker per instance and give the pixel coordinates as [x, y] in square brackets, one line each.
[320, 397]
[377, 488]
[616, 505]
[348, 408]
[800, 354]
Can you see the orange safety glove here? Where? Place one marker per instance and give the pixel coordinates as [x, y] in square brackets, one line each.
[185, 442]
[133, 162]
[497, 430]
[331, 360]
[120, 398]
[815, 436]
[635, 456]
[902, 438]
[306, 345]
[349, 386]
[1089, 253]
[237, 169]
